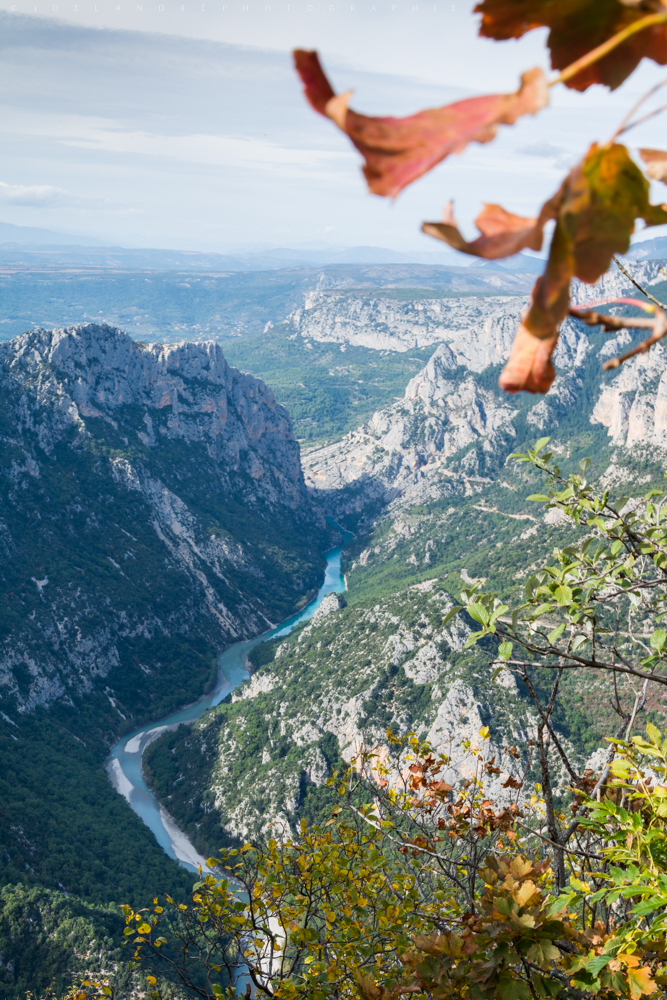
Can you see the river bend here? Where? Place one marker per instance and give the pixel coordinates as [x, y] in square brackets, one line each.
[124, 764]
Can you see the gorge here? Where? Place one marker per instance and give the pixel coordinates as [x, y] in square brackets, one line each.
[158, 508]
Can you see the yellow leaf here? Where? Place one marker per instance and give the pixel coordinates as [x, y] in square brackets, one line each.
[640, 982]
[525, 893]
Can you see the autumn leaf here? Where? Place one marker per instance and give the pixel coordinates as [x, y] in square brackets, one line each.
[503, 234]
[640, 982]
[399, 150]
[656, 163]
[529, 367]
[525, 893]
[368, 988]
[597, 207]
[577, 27]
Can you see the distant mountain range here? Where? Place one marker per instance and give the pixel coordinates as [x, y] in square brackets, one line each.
[29, 245]
[26, 245]
[654, 249]
[10, 233]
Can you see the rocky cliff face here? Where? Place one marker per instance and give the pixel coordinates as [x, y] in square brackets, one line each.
[153, 510]
[454, 428]
[387, 324]
[446, 431]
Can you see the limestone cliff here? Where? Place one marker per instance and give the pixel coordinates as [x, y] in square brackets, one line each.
[387, 324]
[153, 511]
[453, 429]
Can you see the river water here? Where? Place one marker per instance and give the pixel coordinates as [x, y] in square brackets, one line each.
[124, 764]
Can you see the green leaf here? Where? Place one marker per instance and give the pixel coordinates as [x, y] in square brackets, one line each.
[539, 497]
[583, 466]
[556, 633]
[563, 595]
[654, 734]
[658, 640]
[479, 613]
[616, 547]
[504, 650]
[450, 614]
[597, 964]
[578, 643]
[539, 445]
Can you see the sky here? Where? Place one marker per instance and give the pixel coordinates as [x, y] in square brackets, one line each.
[183, 124]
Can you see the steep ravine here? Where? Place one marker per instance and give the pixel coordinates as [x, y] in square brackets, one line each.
[153, 512]
[125, 764]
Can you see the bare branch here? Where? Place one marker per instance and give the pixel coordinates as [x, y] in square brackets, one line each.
[660, 305]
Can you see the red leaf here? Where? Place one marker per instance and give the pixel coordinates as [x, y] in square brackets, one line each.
[503, 234]
[399, 150]
[577, 27]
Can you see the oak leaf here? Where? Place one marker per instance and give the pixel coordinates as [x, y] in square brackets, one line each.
[577, 27]
[399, 150]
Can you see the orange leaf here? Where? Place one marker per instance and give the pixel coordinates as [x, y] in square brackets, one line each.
[529, 367]
[399, 150]
[595, 216]
[503, 234]
[656, 163]
[640, 982]
[576, 27]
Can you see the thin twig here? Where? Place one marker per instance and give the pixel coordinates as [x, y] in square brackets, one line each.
[559, 847]
[582, 664]
[660, 329]
[661, 305]
[611, 324]
[625, 122]
[644, 118]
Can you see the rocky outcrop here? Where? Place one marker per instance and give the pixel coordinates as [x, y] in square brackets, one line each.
[332, 602]
[446, 430]
[149, 491]
[633, 407]
[479, 330]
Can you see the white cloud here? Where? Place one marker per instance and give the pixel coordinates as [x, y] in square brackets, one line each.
[45, 196]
